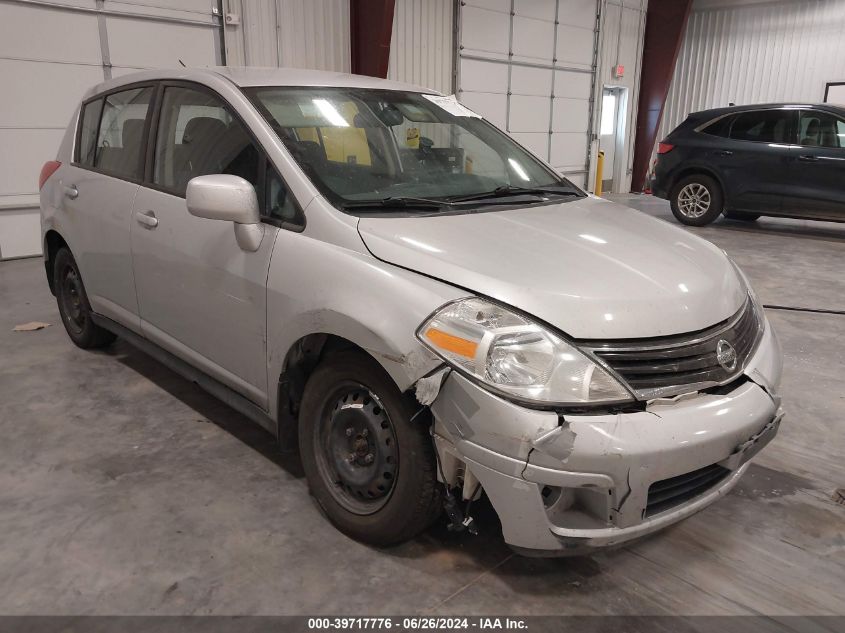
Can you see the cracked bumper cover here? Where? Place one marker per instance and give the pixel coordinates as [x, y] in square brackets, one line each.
[604, 463]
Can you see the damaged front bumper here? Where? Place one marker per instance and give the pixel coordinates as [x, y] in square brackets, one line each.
[565, 484]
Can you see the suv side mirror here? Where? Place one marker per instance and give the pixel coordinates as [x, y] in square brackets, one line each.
[229, 198]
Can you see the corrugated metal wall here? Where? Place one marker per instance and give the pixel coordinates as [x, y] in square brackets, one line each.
[754, 53]
[292, 33]
[422, 44]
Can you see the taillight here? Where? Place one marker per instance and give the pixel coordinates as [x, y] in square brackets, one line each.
[48, 170]
[664, 148]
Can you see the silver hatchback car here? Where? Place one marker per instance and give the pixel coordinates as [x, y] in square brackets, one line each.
[375, 271]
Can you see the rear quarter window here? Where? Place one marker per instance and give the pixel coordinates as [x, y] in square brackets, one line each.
[720, 127]
[87, 140]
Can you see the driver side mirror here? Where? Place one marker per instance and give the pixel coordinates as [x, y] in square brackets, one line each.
[228, 198]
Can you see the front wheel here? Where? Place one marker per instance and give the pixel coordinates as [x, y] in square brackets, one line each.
[369, 467]
[696, 200]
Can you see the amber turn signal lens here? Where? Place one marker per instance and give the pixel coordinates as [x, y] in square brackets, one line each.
[452, 343]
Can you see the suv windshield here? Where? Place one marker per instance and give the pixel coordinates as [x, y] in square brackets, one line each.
[364, 146]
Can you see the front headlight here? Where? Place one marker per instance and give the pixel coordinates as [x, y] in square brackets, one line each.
[517, 357]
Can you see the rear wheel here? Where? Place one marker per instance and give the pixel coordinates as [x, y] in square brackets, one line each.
[370, 469]
[743, 216]
[73, 304]
[696, 200]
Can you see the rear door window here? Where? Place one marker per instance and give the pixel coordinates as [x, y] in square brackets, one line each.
[120, 138]
[762, 126]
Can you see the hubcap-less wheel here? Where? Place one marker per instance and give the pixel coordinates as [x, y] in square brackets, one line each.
[694, 200]
[358, 454]
[72, 300]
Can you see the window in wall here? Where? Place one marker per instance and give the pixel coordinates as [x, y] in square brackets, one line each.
[820, 129]
[608, 114]
[88, 134]
[121, 134]
[762, 126]
[197, 136]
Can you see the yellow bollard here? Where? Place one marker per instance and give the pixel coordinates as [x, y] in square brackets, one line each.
[599, 170]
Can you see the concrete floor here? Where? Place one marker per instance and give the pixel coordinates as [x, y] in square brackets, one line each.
[126, 490]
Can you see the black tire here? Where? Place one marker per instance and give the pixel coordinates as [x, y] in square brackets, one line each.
[74, 307]
[742, 215]
[696, 200]
[350, 391]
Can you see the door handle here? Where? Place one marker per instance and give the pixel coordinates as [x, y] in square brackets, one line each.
[807, 158]
[71, 191]
[723, 152]
[147, 219]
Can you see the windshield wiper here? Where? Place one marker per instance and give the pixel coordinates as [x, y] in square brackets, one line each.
[402, 202]
[510, 190]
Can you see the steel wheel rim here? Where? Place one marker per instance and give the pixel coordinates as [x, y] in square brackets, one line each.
[73, 307]
[694, 200]
[357, 454]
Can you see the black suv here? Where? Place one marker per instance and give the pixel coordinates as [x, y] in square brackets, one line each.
[783, 160]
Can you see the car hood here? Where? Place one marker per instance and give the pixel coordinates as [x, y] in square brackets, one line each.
[592, 268]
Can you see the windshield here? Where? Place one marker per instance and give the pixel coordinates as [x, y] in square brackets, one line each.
[360, 146]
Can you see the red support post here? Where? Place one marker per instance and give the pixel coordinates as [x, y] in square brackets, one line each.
[666, 23]
[371, 25]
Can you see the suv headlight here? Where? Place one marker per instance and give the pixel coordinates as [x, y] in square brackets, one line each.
[517, 357]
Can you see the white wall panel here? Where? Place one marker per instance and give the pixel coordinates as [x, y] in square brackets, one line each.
[51, 52]
[530, 114]
[485, 31]
[422, 44]
[531, 72]
[575, 46]
[747, 53]
[526, 80]
[570, 114]
[41, 94]
[49, 41]
[136, 43]
[484, 76]
[533, 40]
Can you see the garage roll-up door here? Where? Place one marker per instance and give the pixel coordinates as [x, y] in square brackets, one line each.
[529, 67]
[50, 54]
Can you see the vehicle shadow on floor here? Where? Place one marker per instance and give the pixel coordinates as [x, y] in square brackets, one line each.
[207, 406]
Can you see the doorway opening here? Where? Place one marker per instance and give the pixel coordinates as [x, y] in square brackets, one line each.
[614, 107]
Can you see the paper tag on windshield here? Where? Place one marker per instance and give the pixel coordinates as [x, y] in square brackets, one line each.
[451, 105]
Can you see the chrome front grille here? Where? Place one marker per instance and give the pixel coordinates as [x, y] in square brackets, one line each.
[672, 365]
